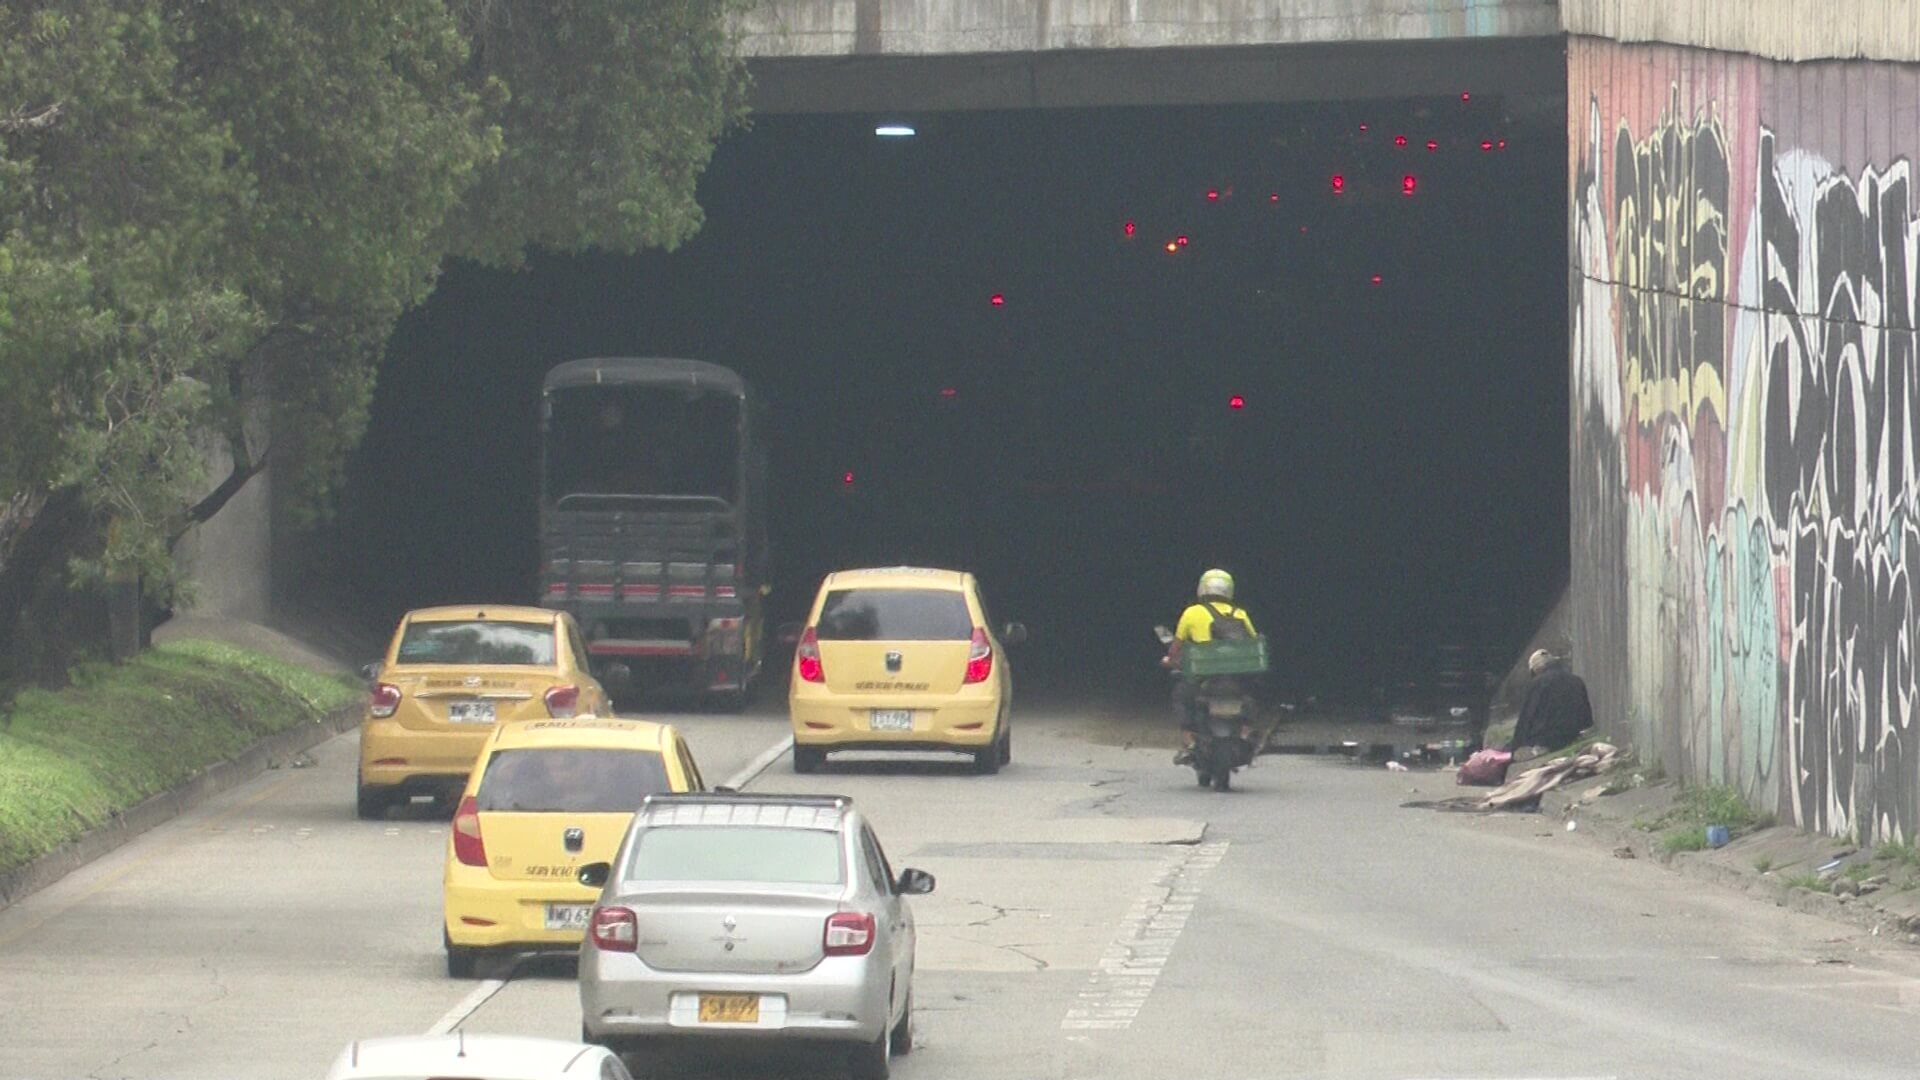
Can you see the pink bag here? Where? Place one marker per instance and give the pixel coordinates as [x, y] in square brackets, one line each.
[1486, 768]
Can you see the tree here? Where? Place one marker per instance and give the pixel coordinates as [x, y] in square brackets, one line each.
[204, 203]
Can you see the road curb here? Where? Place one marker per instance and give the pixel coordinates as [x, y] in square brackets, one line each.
[1755, 884]
[267, 754]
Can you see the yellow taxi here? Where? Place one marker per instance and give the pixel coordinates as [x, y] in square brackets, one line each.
[545, 798]
[449, 675]
[902, 658]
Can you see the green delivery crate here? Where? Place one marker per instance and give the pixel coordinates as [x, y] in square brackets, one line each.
[1199, 659]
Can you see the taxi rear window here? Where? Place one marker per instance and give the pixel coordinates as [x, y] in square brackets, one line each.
[477, 642]
[570, 780]
[752, 853]
[894, 615]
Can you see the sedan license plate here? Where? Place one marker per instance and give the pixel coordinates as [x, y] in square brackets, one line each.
[729, 1009]
[1224, 708]
[568, 916]
[470, 712]
[891, 720]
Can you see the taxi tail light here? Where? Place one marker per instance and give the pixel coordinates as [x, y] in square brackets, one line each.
[849, 933]
[467, 845]
[980, 657]
[384, 700]
[807, 658]
[562, 701]
[614, 929]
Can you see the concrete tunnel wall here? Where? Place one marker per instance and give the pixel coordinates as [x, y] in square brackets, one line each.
[1746, 421]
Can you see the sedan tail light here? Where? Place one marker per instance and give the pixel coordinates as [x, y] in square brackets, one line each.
[561, 702]
[979, 658]
[385, 699]
[468, 847]
[614, 929]
[849, 933]
[807, 658]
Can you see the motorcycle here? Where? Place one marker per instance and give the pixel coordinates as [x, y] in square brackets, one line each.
[1223, 737]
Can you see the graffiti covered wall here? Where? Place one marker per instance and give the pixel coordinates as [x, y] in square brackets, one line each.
[1746, 453]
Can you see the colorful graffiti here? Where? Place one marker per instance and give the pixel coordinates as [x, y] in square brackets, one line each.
[1745, 449]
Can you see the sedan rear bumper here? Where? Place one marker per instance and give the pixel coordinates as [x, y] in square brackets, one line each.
[843, 999]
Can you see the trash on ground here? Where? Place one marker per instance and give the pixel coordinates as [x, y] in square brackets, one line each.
[1526, 790]
[1394, 766]
[1485, 768]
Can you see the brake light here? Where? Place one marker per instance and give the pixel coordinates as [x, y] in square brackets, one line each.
[467, 845]
[386, 698]
[562, 701]
[614, 929]
[979, 658]
[849, 933]
[807, 658]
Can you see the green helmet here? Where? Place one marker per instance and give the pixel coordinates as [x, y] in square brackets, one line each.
[1216, 583]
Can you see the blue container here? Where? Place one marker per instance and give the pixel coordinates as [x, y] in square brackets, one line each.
[1717, 836]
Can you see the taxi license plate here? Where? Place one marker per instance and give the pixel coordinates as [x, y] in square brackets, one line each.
[891, 720]
[568, 916]
[470, 712]
[729, 1009]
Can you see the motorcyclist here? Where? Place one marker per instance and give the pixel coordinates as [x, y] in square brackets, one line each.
[1211, 615]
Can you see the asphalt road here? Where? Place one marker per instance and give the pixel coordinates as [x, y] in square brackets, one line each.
[1097, 916]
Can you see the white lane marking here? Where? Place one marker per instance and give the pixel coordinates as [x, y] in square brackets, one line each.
[1120, 985]
[1528, 1078]
[467, 1007]
[758, 765]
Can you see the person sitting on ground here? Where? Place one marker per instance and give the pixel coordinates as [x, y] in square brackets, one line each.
[1556, 709]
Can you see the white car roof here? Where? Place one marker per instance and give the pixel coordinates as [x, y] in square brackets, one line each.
[482, 1057]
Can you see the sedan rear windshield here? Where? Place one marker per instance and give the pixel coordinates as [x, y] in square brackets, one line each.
[894, 615]
[570, 780]
[752, 853]
[477, 642]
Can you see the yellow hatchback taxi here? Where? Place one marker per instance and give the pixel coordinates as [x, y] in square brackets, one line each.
[546, 798]
[450, 674]
[902, 658]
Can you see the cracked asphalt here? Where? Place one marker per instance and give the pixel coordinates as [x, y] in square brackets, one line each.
[1097, 916]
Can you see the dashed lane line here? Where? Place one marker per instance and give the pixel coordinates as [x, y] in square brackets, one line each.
[1119, 986]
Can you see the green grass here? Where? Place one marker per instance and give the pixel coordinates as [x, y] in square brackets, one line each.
[1859, 871]
[1810, 882]
[1763, 864]
[71, 759]
[1694, 839]
[1898, 853]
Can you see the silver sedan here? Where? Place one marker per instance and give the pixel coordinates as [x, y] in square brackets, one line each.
[751, 917]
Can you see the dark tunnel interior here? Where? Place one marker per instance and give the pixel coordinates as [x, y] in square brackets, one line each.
[1087, 354]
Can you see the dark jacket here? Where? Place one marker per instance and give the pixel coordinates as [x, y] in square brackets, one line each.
[1556, 709]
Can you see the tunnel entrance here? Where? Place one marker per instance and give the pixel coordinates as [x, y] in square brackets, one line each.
[1085, 353]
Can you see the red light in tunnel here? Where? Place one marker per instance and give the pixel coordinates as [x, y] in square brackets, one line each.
[1128, 228]
[1502, 144]
[1363, 127]
[1274, 198]
[1465, 96]
[1181, 239]
[1486, 144]
[949, 392]
[1375, 279]
[1213, 194]
[1408, 184]
[1399, 140]
[1236, 402]
[846, 479]
[997, 300]
[1433, 144]
[1339, 183]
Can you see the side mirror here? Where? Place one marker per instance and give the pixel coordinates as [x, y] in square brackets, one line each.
[914, 883]
[594, 874]
[790, 633]
[370, 671]
[1014, 634]
[1165, 635]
